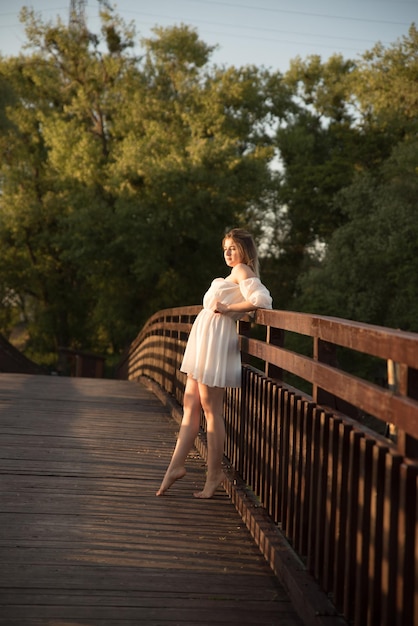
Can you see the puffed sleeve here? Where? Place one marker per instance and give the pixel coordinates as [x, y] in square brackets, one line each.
[254, 291]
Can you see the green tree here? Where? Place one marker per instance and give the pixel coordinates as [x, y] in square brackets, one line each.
[199, 162]
[370, 271]
[347, 118]
[55, 146]
[384, 87]
[317, 146]
[119, 176]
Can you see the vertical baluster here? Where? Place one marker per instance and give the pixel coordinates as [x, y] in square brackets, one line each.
[341, 513]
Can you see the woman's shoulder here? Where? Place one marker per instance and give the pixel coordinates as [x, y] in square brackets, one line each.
[242, 272]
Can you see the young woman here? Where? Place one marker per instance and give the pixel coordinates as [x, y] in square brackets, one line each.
[212, 359]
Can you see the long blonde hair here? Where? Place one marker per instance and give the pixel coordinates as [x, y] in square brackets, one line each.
[246, 246]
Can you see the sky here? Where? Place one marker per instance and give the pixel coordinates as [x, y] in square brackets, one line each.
[267, 33]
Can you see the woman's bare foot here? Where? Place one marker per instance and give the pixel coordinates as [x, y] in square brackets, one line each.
[210, 486]
[170, 477]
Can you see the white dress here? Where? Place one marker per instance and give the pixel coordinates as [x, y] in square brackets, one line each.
[212, 353]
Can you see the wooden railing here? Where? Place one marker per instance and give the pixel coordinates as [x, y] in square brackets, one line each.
[335, 465]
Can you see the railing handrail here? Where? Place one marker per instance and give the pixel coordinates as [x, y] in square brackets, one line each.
[396, 405]
[386, 343]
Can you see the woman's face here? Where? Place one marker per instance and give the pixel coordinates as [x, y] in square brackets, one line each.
[231, 253]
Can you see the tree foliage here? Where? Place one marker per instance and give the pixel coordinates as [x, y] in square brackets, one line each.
[370, 269]
[120, 173]
[120, 176]
[370, 272]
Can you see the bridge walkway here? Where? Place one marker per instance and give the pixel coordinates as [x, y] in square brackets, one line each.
[84, 541]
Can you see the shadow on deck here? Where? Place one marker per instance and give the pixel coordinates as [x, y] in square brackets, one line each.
[83, 539]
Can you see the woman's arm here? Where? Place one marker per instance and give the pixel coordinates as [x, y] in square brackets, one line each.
[238, 307]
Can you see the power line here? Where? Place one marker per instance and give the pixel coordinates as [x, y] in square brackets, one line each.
[241, 27]
[265, 9]
[305, 13]
[256, 28]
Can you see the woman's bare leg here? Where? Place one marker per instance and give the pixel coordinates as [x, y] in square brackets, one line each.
[212, 400]
[189, 429]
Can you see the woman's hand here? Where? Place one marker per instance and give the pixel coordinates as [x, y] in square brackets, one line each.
[221, 308]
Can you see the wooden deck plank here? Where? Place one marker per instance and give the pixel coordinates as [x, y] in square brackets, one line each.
[83, 539]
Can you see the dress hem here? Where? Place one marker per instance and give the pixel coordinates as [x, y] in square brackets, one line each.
[212, 386]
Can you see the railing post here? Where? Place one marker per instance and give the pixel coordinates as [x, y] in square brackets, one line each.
[275, 337]
[324, 352]
[407, 385]
[244, 329]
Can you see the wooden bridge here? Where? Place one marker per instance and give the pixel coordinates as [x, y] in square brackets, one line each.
[324, 482]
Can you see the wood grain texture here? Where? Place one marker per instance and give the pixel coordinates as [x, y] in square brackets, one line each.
[83, 539]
